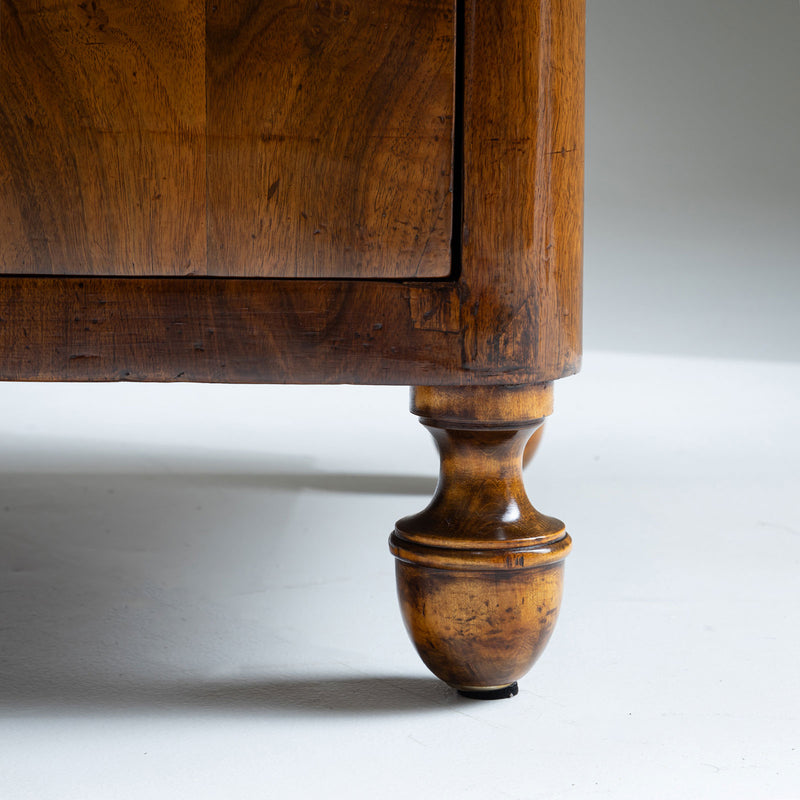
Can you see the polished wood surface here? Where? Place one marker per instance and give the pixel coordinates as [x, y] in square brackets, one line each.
[512, 315]
[330, 138]
[480, 570]
[523, 180]
[102, 155]
[246, 138]
[227, 331]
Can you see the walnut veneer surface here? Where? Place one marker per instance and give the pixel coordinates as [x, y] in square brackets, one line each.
[239, 138]
[508, 313]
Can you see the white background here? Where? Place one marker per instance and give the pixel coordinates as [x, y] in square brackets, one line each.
[693, 177]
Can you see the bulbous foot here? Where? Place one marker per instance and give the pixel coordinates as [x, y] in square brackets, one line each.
[480, 570]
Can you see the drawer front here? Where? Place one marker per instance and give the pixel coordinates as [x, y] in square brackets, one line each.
[238, 138]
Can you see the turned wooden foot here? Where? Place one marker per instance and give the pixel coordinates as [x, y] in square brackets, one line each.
[479, 571]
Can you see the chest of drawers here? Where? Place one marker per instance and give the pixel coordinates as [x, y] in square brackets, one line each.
[319, 192]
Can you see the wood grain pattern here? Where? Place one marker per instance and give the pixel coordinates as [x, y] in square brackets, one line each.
[480, 570]
[246, 138]
[523, 182]
[512, 316]
[227, 331]
[102, 110]
[330, 138]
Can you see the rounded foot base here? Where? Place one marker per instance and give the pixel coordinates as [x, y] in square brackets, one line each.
[491, 694]
[480, 630]
[480, 570]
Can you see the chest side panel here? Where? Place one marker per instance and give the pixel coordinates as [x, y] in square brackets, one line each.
[330, 138]
[102, 115]
[239, 138]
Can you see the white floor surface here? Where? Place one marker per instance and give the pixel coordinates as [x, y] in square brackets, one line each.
[197, 598]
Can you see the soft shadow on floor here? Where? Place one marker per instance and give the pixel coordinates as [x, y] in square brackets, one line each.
[116, 586]
[343, 482]
[284, 696]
